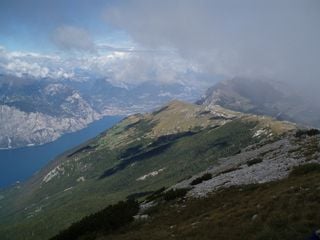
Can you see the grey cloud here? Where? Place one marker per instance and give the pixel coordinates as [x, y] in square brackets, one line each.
[73, 38]
[109, 48]
[278, 39]
[132, 49]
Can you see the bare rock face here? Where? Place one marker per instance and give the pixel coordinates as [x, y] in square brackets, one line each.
[38, 112]
[20, 128]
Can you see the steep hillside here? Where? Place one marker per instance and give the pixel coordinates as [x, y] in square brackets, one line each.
[137, 156]
[281, 210]
[36, 112]
[264, 192]
[264, 97]
[267, 191]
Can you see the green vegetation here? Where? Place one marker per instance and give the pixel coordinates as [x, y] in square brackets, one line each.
[64, 200]
[173, 194]
[205, 177]
[160, 110]
[156, 194]
[139, 195]
[305, 169]
[124, 161]
[105, 221]
[282, 210]
[309, 148]
[308, 132]
[113, 217]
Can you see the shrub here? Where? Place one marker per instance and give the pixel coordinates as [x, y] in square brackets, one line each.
[135, 196]
[175, 193]
[308, 132]
[313, 132]
[254, 161]
[156, 194]
[106, 220]
[229, 170]
[305, 169]
[199, 180]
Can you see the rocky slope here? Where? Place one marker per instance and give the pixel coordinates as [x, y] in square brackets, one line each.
[258, 164]
[139, 155]
[285, 209]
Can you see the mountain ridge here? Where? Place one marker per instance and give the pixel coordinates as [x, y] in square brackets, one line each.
[263, 97]
[142, 153]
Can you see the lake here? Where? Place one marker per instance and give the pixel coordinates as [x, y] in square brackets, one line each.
[21, 163]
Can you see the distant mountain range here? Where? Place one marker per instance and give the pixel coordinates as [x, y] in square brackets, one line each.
[37, 111]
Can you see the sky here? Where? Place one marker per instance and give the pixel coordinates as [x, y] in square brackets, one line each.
[167, 40]
[34, 25]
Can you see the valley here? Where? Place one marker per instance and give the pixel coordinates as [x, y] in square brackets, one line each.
[17, 165]
[37, 111]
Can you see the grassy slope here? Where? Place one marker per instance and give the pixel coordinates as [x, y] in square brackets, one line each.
[286, 209]
[38, 210]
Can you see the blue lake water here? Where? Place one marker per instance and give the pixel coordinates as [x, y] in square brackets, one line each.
[19, 164]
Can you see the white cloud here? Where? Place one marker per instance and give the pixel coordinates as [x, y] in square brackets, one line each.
[32, 69]
[136, 67]
[32, 64]
[119, 67]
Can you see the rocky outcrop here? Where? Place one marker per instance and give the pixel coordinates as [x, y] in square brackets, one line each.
[257, 164]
